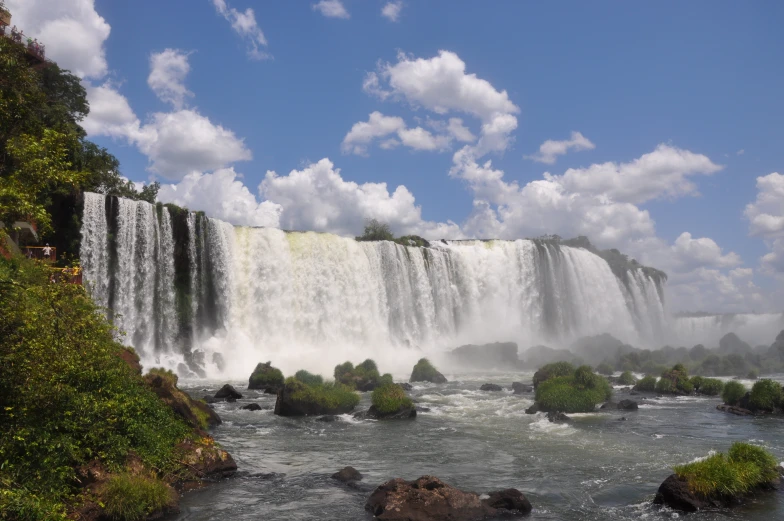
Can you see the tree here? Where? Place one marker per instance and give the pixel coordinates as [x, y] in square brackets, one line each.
[375, 230]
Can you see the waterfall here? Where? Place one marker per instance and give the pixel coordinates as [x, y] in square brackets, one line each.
[185, 288]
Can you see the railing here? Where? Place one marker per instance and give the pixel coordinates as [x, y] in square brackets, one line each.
[33, 46]
[66, 275]
[44, 253]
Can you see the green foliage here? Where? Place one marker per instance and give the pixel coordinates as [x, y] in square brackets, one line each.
[412, 240]
[385, 379]
[675, 380]
[552, 371]
[605, 369]
[765, 395]
[744, 468]
[708, 386]
[390, 398]
[733, 392]
[169, 377]
[364, 376]
[129, 497]
[627, 378]
[308, 378]
[375, 230]
[66, 397]
[265, 376]
[579, 392]
[423, 371]
[329, 395]
[647, 384]
[753, 374]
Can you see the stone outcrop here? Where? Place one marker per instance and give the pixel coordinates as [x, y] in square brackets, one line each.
[491, 387]
[228, 393]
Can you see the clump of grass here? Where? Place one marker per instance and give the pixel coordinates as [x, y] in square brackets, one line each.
[744, 468]
[765, 395]
[168, 376]
[733, 392]
[553, 370]
[129, 497]
[708, 386]
[627, 378]
[647, 384]
[424, 371]
[328, 396]
[390, 398]
[308, 378]
[579, 392]
[265, 377]
[364, 376]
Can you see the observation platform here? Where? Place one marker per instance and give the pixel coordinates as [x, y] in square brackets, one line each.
[34, 50]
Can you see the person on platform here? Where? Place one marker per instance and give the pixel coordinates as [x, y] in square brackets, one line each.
[47, 251]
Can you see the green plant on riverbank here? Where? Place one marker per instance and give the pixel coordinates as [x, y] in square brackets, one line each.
[733, 392]
[744, 468]
[627, 378]
[130, 497]
[579, 392]
[765, 395]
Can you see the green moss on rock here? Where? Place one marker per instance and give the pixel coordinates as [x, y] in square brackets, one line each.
[308, 378]
[266, 377]
[578, 392]
[300, 399]
[390, 398]
[553, 370]
[424, 371]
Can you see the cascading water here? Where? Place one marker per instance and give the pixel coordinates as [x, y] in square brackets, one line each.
[191, 290]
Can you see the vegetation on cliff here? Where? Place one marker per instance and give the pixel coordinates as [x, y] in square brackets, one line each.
[69, 399]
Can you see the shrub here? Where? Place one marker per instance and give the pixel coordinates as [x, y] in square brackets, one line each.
[308, 378]
[733, 392]
[168, 376]
[265, 376]
[647, 384]
[675, 380]
[627, 378]
[744, 468]
[390, 398]
[696, 381]
[605, 369]
[329, 395]
[385, 379]
[753, 374]
[553, 370]
[132, 498]
[375, 230]
[424, 371]
[363, 377]
[579, 392]
[765, 395]
[710, 387]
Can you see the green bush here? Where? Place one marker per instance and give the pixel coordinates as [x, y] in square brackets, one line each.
[647, 384]
[308, 378]
[424, 371]
[363, 377]
[66, 396]
[710, 387]
[169, 377]
[627, 378]
[765, 395]
[390, 398]
[753, 374]
[733, 392]
[329, 395]
[385, 379]
[696, 381]
[265, 377]
[553, 370]
[605, 369]
[132, 498]
[580, 392]
[744, 468]
[675, 380]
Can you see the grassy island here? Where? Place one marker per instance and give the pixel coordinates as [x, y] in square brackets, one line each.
[580, 391]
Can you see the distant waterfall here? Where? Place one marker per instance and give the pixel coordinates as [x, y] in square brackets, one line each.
[191, 290]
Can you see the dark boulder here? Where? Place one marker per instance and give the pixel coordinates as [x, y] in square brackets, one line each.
[210, 400]
[423, 409]
[739, 411]
[197, 413]
[498, 355]
[491, 387]
[628, 405]
[675, 493]
[508, 499]
[228, 393]
[406, 386]
[521, 388]
[403, 413]
[429, 498]
[251, 407]
[609, 405]
[533, 409]
[558, 417]
[327, 418]
[347, 474]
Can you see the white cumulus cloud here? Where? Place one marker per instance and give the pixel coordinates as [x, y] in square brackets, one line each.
[391, 10]
[168, 70]
[551, 149]
[245, 25]
[331, 9]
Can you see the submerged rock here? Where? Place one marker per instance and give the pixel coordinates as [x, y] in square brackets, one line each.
[347, 474]
[228, 393]
[739, 411]
[609, 405]
[429, 498]
[406, 386]
[628, 405]
[491, 387]
[533, 409]
[558, 417]
[327, 418]
[521, 388]
[251, 407]
[403, 413]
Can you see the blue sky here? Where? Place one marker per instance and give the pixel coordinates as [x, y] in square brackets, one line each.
[702, 79]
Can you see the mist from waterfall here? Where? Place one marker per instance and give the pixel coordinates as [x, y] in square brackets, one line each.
[198, 292]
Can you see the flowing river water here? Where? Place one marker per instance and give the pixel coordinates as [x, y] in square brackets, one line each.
[597, 468]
